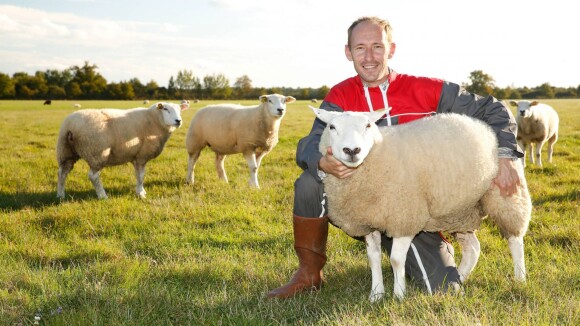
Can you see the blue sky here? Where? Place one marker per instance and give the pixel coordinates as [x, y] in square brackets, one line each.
[294, 43]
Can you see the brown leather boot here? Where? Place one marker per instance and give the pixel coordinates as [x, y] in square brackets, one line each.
[310, 245]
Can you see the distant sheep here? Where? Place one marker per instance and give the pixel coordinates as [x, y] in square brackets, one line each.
[77, 106]
[146, 102]
[109, 137]
[47, 102]
[314, 100]
[537, 124]
[433, 174]
[233, 128]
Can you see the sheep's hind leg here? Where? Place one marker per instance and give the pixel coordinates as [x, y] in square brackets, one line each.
[253, 167]
[63, 171]
[140, 175]
[94, 176]
[516, 245]
[470, 251]
[374, 253]
[191, 166]
[398, 257]
[551, 143]
[219, 165]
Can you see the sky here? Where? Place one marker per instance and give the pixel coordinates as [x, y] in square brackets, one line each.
[292, 43]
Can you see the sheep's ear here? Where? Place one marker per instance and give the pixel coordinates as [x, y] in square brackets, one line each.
[534, 103]
[513, 103]
[159, 106]
[376, 115]
[263, 98]
[324, 115]
[290, 99]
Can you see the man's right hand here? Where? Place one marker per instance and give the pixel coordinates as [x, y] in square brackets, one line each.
[330, 165]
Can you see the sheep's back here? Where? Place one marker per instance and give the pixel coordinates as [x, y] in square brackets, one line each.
[106, 137]
[431, 168]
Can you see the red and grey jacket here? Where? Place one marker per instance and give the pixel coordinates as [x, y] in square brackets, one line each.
[409, 98]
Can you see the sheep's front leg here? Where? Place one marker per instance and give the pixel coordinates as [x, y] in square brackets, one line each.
[398, 257]
[140, 175]
[470, 251]
[94, 176]
[539, 153]
[253, 167]
[374, 253]
[516, 245]
[219, 165]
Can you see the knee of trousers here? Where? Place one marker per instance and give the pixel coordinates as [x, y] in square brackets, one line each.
[309, 197]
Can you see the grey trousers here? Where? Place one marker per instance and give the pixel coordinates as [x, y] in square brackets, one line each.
[430, 263]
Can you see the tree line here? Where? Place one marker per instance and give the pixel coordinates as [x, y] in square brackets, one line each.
[85, 82]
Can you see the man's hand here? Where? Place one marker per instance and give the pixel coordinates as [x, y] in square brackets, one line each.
[507, 179]
[330, 165]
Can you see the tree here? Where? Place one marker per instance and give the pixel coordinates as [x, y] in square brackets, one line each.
[481, 83]
[6, 86]
[186, 83]
[545, 91]
[217, 86]
[243, 87]
[171, 87]
[151, 89]
[90, 82]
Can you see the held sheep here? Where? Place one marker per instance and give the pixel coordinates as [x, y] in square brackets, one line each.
[433, 174]
[537, 124]
[109, 137]
[231, 128]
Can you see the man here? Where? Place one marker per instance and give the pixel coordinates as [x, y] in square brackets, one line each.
[430, 260]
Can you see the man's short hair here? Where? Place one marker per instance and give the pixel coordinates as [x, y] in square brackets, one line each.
[383, 23]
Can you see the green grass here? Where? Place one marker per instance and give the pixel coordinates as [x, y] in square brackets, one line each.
[207, 254]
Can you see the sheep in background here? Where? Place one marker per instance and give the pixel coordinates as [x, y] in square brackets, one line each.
[77, 106]
[47, 102]
[109, 137]
[233, 128]
[146, 102]
[537, 123]
[433, 174]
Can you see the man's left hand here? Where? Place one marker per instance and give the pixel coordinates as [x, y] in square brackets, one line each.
[507, 179]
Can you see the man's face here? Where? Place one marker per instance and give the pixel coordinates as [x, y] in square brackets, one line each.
[369, 51]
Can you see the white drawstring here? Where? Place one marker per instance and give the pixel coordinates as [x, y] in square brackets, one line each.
[383, 87]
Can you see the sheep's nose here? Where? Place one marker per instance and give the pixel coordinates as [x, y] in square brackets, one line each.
[351, 152]
[280, 110]
[178, 122]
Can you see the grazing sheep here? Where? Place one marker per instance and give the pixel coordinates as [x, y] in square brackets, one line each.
[233, 128]
[433, 174]
[109, 137]
[47, 102]
[314, 100]
[146, 102]
[537, 123]
[77, 106]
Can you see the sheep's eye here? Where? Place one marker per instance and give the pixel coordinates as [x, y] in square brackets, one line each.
[331, 127]
[270, 101]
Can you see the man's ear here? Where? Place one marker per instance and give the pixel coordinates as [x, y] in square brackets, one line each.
[392, 50]
[347, 53]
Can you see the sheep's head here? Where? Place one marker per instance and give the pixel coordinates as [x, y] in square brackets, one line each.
[524, 107]
[351, 135]
[276, 104]
[171, 113]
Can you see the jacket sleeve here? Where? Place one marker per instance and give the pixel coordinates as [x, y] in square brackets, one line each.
[307, 153]
[456, 99]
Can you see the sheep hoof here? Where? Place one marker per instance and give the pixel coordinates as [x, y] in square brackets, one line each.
[374, 297]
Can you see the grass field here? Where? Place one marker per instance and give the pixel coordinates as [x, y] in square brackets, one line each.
[207, 254]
